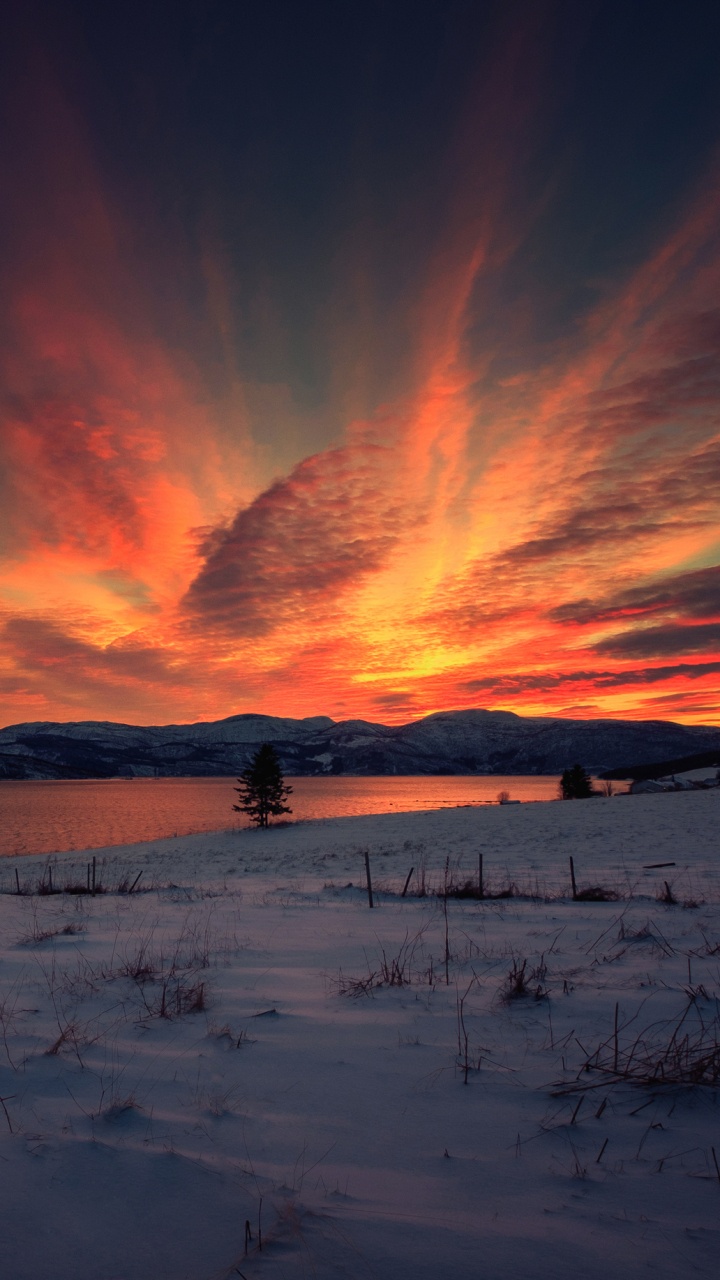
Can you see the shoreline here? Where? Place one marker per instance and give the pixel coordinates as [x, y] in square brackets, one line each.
[533, 839]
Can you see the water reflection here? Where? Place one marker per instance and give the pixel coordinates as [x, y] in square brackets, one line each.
[46, 817]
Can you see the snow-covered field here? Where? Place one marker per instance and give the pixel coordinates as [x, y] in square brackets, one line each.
[243, 1040]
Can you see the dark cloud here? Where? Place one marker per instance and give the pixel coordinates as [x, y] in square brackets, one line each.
[13, 685]
[544, 682]
[300, 544]
[659, 398]
[37, 645]
[630, 501]
[403, 701]
[692, 595]
[583, 530]
[669, 701]
[690, 335]
[659, 642]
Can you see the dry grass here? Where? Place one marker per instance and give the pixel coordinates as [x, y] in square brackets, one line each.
[667, 897]
[685, 1053]
[392, 970]
[648, 934]
[50, 885]
[597, 893]
[177, 996]
[120, 1107]
[38, 934]
[470, 890]
[71, 1037]
[226, 1036]
[523, 982]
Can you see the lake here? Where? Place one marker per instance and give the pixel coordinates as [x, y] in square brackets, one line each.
[51, 816]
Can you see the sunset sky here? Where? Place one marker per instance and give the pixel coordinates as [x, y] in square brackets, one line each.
[360, 359]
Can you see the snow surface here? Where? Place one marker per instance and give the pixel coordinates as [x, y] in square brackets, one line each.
[179, 1060]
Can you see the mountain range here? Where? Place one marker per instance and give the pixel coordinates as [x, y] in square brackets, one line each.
[448, 742]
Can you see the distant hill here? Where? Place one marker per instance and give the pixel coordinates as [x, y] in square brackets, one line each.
[450, 742]
[666, 768]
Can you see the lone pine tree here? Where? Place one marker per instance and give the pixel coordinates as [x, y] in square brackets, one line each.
[262, 789]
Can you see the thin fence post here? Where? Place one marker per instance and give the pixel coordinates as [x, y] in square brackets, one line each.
[407, 882]
[445, 912]
[369, 881]
[50, 879]
[572, 878]
[615, 1037]
[447, 942]
[481, 886]
[17, 880]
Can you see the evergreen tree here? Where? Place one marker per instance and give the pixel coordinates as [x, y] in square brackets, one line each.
[575, 784]
[262, 789]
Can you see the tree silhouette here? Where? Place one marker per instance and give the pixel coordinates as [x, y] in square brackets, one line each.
[575, 784]
[262, 789]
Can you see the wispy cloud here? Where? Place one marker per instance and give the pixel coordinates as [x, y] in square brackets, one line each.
[695, 594]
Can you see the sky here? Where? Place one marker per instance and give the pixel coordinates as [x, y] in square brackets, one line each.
[360, 359]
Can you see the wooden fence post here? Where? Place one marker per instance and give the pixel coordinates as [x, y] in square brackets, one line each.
[369, 881]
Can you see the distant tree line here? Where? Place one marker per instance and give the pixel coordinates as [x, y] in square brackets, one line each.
[664, 768]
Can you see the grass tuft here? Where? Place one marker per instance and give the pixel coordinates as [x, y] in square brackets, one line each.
[523, 982]
[597, 893]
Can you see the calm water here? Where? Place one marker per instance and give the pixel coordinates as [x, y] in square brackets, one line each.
[47, 817]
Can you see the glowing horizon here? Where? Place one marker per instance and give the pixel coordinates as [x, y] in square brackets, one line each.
[431, 431]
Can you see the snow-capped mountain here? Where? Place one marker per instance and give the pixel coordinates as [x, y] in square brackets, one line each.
[450, 742]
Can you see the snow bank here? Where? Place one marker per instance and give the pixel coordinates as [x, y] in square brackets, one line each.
[245, 1041]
